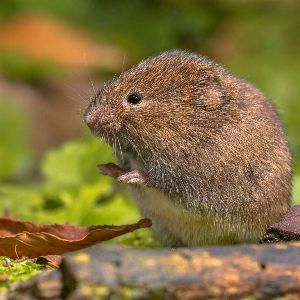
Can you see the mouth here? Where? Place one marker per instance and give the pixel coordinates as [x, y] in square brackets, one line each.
[103, 130]
[100, 130]
[103, 126]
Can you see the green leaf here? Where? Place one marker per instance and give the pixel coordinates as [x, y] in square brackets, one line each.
[296, 190]
[14, 153]
[75, 163]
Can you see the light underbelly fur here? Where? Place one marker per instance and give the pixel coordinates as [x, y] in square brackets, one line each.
[174, 225]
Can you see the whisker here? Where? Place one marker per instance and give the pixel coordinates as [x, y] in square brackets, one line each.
[121, 152]
[84, 99]
[123, 63]
[92, 83]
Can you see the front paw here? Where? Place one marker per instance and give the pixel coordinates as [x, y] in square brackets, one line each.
[134, 177]
[111, 170]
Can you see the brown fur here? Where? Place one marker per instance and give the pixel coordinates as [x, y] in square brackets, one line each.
[210, 142]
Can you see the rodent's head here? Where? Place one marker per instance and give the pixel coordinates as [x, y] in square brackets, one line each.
[161, 102]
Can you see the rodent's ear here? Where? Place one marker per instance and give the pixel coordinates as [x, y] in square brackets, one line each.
[210, 93]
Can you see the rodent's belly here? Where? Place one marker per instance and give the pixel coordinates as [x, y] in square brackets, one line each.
[176, 226]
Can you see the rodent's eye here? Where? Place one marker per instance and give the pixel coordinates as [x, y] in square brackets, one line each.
[134, 98]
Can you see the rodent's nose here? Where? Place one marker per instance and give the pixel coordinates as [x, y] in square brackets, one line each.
[91, 120]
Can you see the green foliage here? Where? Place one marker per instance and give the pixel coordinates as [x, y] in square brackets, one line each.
[72, 190]
[75, 163]
[14, 153]
[127, 21]
[16, 270]
[21, 201]
[83, 196]
[296, 190]
[18, 66]
[142, 238]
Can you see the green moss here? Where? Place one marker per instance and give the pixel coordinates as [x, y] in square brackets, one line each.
[16, 270]
[142, 238]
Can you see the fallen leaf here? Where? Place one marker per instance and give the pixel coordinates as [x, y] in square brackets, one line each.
[21, 238]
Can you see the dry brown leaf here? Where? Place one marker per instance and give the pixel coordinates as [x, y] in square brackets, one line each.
[21, 238]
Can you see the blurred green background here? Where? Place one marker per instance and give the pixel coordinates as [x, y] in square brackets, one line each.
[54, 54]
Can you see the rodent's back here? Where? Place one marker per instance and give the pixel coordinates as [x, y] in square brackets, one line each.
[240, 172]
[256, 159]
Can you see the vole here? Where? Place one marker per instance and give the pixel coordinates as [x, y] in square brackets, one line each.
[203, 152]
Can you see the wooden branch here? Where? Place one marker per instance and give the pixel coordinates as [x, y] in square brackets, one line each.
[230, 272]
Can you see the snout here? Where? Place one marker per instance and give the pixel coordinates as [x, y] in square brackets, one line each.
[91, 120]
[100, 122]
